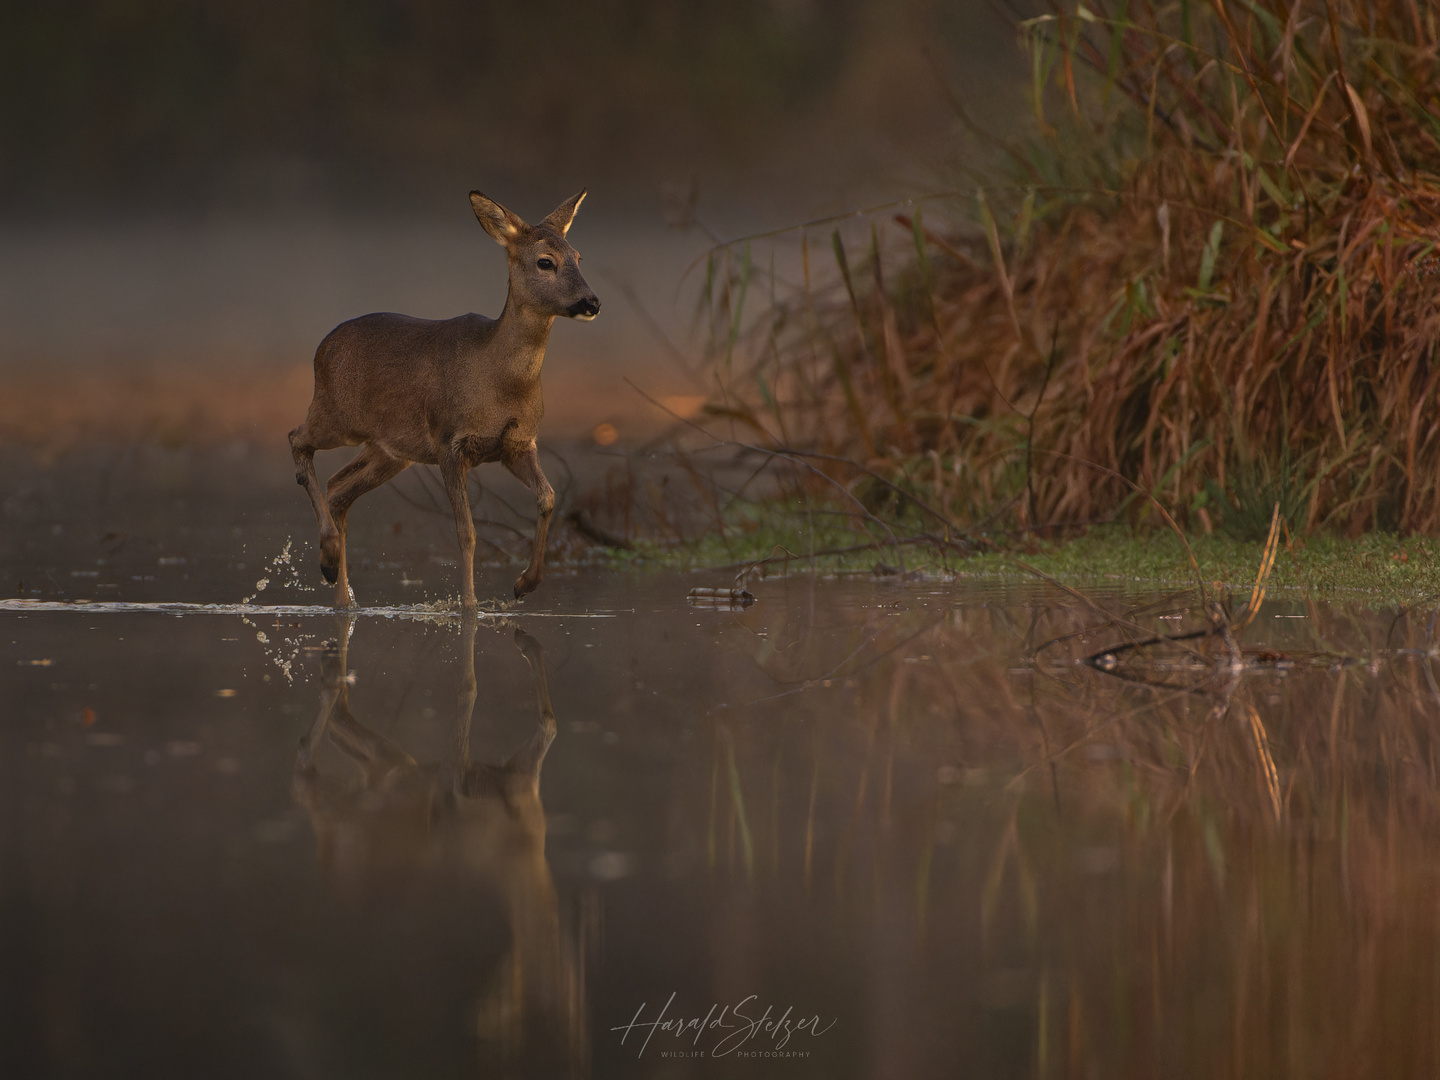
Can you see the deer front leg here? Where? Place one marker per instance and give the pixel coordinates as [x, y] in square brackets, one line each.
[524, 462]
[303, 451]
[453, 470]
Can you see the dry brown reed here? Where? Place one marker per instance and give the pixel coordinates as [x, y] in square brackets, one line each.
[1213, 277]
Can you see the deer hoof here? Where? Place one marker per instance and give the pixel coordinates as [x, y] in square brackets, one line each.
[525, 585]
[332, 554]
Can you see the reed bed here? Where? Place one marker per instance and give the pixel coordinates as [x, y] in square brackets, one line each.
[1206, 274]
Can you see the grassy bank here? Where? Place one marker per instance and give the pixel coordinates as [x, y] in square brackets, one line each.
[1380, 566]
[1377, 567]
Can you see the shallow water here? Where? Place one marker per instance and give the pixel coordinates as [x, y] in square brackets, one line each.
[899, 818]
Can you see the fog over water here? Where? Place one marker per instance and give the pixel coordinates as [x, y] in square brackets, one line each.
[166, 217]
[259, 295]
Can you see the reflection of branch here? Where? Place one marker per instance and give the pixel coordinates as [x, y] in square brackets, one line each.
[1113, 619]
[1162, 604]
[1097, 659]
[1116, 718]
[807, 684]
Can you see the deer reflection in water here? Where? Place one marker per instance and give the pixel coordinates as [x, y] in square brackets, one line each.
[482, 824]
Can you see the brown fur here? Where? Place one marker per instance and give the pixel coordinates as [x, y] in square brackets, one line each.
[454, 393]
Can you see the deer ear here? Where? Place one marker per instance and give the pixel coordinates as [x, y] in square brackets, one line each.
[503, 226]
[560, 218]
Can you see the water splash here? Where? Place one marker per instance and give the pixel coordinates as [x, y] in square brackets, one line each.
[281, 565]
[276, 652]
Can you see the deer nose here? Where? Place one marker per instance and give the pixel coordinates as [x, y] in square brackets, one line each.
[586, 308]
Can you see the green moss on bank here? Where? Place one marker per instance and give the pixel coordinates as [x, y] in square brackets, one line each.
[1381, 566]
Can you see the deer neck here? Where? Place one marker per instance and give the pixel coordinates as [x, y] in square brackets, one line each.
[521, 334]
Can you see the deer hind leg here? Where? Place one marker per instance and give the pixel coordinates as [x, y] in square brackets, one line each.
[454, 468]
[369, 469]
[302, 449]
[524, 462]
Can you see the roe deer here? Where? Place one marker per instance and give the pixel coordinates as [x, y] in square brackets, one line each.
[454, 393]
[470, 828]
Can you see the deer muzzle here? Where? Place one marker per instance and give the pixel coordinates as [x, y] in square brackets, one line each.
[584, 309]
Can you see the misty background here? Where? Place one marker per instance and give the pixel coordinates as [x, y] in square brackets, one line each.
[194, 194]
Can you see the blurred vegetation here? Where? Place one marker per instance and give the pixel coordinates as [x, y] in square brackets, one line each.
[1205, 275]
[151, 98]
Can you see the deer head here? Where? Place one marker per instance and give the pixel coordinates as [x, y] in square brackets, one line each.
[545, 273]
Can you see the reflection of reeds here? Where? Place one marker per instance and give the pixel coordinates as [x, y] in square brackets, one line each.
[1268, 774]
[1226, 229]
[1232, 876]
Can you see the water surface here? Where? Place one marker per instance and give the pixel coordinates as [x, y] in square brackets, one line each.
[901, 818]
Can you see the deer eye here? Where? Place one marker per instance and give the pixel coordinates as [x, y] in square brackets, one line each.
[546, 263]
